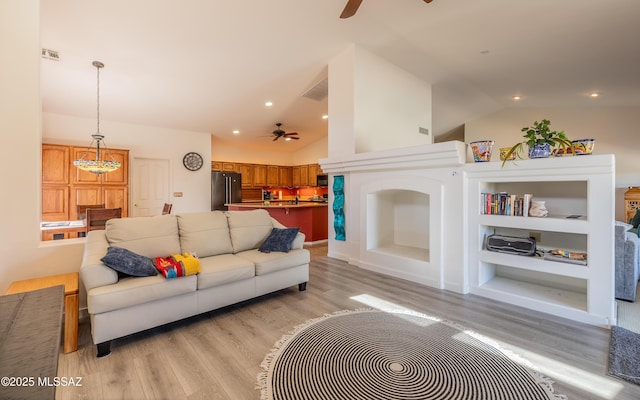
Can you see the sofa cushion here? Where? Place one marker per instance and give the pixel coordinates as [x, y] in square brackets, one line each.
[128, 262]
[150, 236]
[133, 291]
[205, 233]
[248, 229]
[270, 262]
[279, 240]
[224, 268]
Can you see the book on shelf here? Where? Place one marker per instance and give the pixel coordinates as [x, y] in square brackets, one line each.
[503, 203]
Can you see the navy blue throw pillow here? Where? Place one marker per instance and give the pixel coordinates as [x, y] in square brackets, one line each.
[128, 262]
[279, 240]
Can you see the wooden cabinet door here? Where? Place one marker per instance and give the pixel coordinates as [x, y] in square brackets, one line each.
[78, 175]
[273, 175]
[284, 176]
[259, 175]
[55, 203]
[228, 166]
[121, 175]
[116, 197]
[246, 170]
[314, 170]
[55, 164]
[216, 165]
[295, 175]
[304, 175]
[85, 194]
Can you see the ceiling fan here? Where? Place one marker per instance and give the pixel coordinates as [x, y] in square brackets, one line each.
[352, 6]
[278, 133]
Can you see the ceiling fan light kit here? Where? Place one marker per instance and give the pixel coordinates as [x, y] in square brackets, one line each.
[352, 6]
[278, 133]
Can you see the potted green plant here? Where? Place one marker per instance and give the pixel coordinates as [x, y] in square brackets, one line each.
[540, 139]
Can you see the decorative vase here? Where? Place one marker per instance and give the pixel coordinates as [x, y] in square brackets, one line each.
[481, 150]
[538, 209]
[540, 151]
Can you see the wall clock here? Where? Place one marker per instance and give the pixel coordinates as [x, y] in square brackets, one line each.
[192, 161]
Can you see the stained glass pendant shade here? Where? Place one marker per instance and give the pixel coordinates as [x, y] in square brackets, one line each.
[103, 163]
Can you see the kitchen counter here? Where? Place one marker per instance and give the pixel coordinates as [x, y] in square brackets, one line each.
[310, 217]
[276, 204]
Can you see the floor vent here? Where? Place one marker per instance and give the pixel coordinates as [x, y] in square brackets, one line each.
[50, 54]
[318, 92]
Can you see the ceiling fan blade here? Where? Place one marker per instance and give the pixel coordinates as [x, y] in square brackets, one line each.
[291, 134]
[293, 137]
[428, 1]
[350, 9]
[275, 138]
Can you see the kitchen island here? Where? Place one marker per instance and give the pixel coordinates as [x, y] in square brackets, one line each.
[310, 217]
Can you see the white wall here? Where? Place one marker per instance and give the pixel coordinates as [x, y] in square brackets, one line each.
[147, 142]
[309, 154]
[390, 105]
[615, 130]
[21, 251]
[375, 105]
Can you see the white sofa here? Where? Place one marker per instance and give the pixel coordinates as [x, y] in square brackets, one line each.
[231, 269]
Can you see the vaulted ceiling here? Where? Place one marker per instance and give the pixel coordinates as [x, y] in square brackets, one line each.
[210, 65]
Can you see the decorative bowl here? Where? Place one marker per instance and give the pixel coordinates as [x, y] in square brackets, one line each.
[503, 154]
[583, 146]
[481, 150]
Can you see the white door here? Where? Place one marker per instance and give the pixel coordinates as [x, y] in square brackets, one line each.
[149, 186]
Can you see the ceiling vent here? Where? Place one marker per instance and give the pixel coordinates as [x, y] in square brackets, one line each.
[318, 92]
[50, 54]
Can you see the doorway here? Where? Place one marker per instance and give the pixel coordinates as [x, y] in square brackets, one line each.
[150, 182]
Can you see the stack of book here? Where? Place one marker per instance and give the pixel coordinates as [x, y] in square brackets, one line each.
[503, 203]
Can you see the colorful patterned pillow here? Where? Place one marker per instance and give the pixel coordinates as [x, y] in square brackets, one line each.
[177, 265]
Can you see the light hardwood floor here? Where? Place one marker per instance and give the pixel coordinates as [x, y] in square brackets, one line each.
[217, 355]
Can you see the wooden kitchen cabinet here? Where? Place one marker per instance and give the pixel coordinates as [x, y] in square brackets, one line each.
[64, 186]
[229, 166]
[314, 170]
[216, 165]
[304, 175]
[55, 202]
[246, 170]
[121, 175]
[284, 176]
[295, 176]
[259, 175]
[273, 175]
[55, 164]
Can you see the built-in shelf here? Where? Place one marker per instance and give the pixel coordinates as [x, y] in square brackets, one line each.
[414, 253]
[581, 186]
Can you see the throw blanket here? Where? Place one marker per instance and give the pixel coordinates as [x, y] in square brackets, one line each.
[177, 265]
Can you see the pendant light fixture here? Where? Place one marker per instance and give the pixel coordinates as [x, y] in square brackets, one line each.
[99, 165]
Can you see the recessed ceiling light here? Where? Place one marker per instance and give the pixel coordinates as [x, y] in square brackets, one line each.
[235, 132]
[516, 97]
[325, 116]
[594, 95]
[268, 104]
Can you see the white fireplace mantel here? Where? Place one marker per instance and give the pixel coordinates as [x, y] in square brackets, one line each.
[437, 155]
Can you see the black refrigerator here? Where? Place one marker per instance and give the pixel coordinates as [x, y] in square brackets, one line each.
[226, 187]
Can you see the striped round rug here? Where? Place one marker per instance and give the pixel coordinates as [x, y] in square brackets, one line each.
[372, 354]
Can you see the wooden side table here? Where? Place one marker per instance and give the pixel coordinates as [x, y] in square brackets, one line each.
[70, 282]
